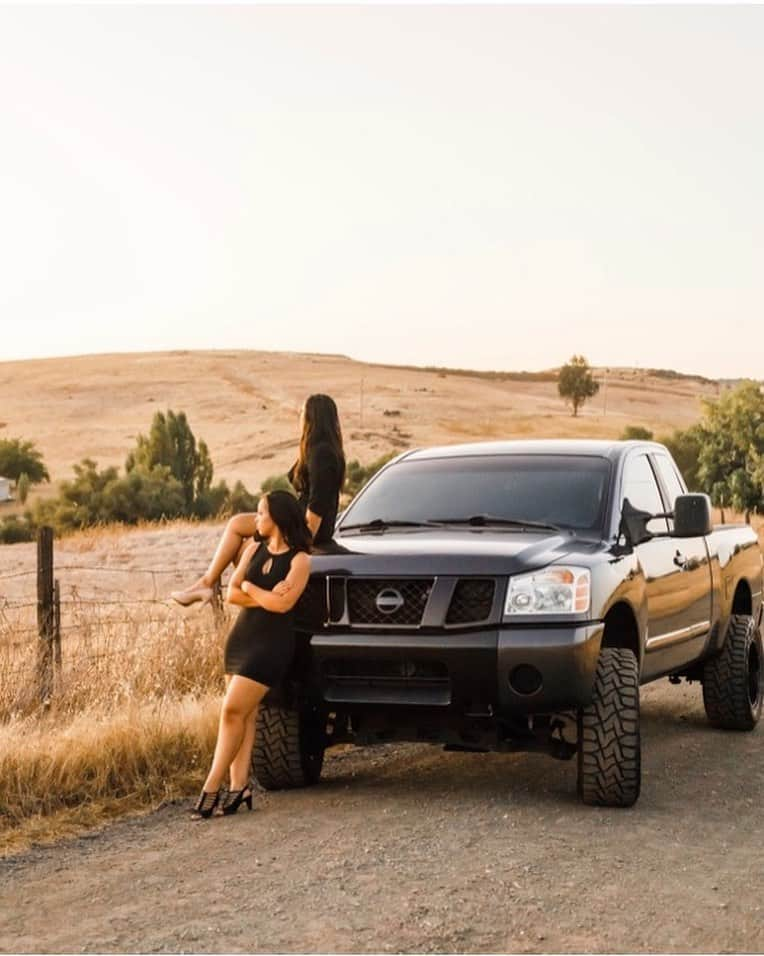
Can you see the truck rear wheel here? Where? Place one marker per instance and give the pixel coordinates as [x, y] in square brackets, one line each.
[732, 679]
[289, 747]
[608, 733]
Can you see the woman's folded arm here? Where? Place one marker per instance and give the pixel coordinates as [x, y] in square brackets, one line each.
[281, 603]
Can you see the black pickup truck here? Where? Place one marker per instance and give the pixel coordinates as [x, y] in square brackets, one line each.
[511, 596]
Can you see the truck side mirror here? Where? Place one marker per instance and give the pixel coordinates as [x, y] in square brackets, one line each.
[692, 516]
[634, 523]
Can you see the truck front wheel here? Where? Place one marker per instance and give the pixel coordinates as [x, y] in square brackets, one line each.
[732, 679]
[289, 747]
[608, 733]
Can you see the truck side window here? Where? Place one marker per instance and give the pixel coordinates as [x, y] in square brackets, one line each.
[670, 479]
[641, 488]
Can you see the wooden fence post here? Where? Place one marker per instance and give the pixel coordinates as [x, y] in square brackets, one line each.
[45, 614]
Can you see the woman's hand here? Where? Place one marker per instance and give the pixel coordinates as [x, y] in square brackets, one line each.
[282, 588]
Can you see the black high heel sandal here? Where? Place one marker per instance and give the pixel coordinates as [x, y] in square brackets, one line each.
[205, 805]
[234, 800]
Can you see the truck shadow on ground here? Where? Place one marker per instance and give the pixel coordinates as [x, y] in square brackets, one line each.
[674, 730]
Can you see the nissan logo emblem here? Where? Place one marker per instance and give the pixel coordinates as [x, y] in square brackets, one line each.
[389, 601]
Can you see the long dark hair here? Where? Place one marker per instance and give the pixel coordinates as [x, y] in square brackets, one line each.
[286, 512]
[322, 424]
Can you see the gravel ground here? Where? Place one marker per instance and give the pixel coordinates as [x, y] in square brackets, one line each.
[408, 848]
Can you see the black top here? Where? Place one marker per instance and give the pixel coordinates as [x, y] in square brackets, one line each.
[321, 493]
[260, 645]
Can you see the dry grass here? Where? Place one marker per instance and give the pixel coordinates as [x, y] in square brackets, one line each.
[112, 655]
[58, 777]
[132, 718]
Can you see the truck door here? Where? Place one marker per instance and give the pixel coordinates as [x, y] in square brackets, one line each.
[692, 556]
[676, 576]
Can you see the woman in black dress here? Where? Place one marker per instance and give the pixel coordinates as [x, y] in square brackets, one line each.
[260, 646]
[317, 475]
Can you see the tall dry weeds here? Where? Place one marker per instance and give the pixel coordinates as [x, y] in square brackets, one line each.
[57, 776]
[131, 720]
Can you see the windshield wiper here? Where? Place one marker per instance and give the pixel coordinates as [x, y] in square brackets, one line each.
[380, 524]
[482, 520]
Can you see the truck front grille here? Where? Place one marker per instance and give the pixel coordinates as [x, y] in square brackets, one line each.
[398, 602]
[472, 601]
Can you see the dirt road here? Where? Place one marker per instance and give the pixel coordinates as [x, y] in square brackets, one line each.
[407, 848]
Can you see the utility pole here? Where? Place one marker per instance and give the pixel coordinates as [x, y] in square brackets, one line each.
[604, 394]
[360, 415]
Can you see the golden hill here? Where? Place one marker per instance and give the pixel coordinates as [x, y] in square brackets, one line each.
[245, 404]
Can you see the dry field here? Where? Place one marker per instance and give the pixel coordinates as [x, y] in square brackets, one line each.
[244, 404]
[133, 717]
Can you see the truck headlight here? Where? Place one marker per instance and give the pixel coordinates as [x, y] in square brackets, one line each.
[555, 590]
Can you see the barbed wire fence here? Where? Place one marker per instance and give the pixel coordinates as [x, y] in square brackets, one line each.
[64, 623]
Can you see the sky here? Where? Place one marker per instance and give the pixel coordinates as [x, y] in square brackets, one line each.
[486, 187]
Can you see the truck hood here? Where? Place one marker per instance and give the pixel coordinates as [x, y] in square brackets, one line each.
[435, 551]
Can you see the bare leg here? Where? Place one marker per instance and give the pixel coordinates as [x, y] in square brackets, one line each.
[229, 548]
[241, 700]
[241, 765]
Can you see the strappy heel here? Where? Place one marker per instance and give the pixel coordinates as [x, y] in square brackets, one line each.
[205, 805]
[234, 800]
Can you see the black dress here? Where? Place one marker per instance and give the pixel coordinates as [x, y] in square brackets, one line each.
[319, 488]
[260, 645]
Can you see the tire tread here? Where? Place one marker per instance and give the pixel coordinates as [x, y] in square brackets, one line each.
[725, 679]
[609, 756]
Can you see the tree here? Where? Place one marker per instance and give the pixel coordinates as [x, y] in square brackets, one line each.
[685, 450]
[22, 487]
[731, 449]
[171, 444]
[636, 433]
[18, 457]
[576, 382]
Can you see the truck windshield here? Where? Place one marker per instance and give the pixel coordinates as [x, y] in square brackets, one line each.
[565, 490]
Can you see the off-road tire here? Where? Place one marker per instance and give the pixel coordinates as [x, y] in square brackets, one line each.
[608, 733]
[289, 747]
[732, 692]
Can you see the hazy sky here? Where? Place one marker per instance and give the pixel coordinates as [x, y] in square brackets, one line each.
[493, 187]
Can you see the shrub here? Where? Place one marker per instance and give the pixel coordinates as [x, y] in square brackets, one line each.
[239, 499]
[101, 497]
[356, 474]
[636, 433]
[276, 483]
[14, 530]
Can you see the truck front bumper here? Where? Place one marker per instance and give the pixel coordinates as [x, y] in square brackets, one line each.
[504, 672]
